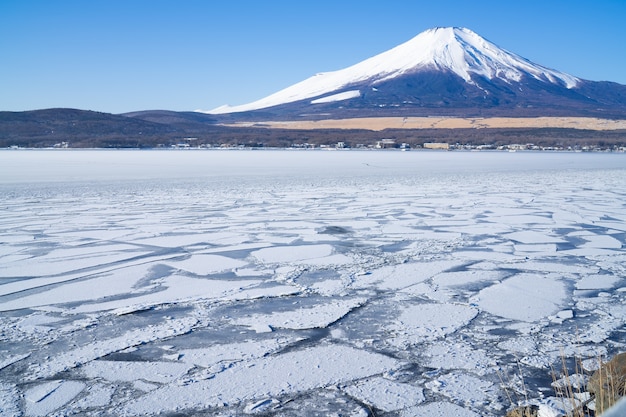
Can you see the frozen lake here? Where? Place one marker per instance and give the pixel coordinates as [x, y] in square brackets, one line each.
[304, 283]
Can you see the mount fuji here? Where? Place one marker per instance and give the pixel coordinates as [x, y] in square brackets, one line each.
[444, 72]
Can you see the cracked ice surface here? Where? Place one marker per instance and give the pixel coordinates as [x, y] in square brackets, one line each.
[283, 374]
[294, 283]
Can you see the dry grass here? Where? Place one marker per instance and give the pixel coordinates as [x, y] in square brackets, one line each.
[381, 123]
[580, 395]
[603, 389]
[608, 384]
[571, 389]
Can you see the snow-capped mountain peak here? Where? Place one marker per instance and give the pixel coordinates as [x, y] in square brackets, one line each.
[464, 52]
[456, 50]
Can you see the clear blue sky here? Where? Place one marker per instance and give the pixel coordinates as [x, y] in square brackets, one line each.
[124, 55]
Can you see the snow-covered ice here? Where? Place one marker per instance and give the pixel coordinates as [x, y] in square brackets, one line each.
[386, 395]
[431, 321]
[233, 352]
[317, 316]
[43, 399]
[274, 376]
[525, 297]
[439, 409]
[301, 282]
[467, 389]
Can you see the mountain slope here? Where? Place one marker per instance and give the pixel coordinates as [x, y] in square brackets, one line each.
[445, 71]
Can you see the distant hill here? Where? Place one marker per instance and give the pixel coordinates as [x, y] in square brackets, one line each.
[152, 128]
[184, 121]
[40, 128]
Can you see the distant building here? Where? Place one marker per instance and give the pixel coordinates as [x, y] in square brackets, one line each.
[385, 143]
[436, 145]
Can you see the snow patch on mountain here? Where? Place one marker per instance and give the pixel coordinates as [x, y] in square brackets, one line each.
[337, 97]
[457, 50]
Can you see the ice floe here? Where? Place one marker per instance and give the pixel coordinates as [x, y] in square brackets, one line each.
[45, 398]
[95, 350]
[205, 264]
[430, 321]
[449, 355]
[162, 372]
[386, 395]
[597, 282]
[175, 288]
[95, 396]
[11, 359]
[233, 352]
[9, 400]
[283, 374]
[318, 316]
[293, 253]
[464, 388]
[439, 409]
[526, 297]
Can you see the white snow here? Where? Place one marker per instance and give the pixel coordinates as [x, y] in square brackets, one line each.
[95, 350]
[131, 371]
[57, 262]
[117, 282]
[293, 253]
[597, 282]
[9, 400]
[455, 49]
[556, 267]
[205, 264]
[318, 316]
[337, 97]
[438, 409]
[401, 276]
[173, 289]
[447, 355]
[386, 395]
[465, 388]
[557, 406]
[525, 297]
[233, 352]
[532, 237]
[43, 399]
[11, 359]
[261, 292]
[602, 241]
[467, 278]
[116, 278]
[41, 391]
[95, 396]
[430, 321]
